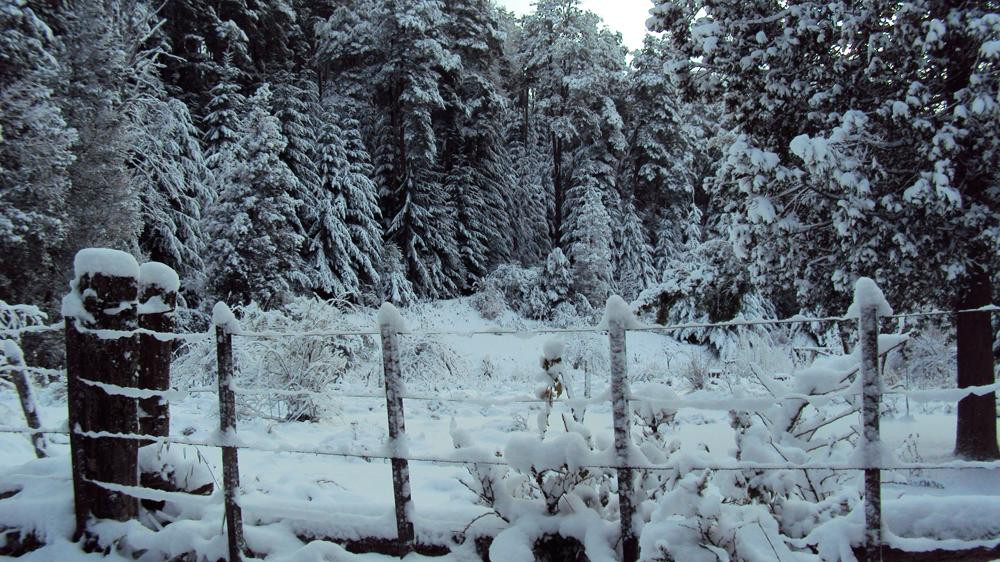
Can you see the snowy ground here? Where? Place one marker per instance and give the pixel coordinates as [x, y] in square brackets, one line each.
[288, 494]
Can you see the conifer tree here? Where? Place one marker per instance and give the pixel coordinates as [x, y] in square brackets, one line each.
[866, 146]
[35, 155]
[223, 120]
[254, 226]
[591, 252]
[634, 270]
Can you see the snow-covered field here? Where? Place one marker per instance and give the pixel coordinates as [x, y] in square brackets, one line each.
[289, 496]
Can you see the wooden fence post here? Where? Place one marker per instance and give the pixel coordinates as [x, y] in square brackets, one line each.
[102, 297]
[871, 398]
[223, 319]
[390, 324]
[158, 286]
[19, 376]
[615, 316]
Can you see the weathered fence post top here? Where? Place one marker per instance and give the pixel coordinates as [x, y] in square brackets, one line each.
[158, 287]
[105, 285]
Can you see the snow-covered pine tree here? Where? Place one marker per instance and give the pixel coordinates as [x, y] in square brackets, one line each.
[555, 282]
[99, 82]
[825, 184]
[658, 169]
[473, 140]
[345, 241]
[415, 207]
[224, 118]
[254, 227]
[471, 216]
[329, 248]
[295, 104]
[35, 154]
[529, 154]
[634, 261]
[395, 287]
[573, 68]
[173, 182]
[361, 195]
[591, 252]
[165, 157]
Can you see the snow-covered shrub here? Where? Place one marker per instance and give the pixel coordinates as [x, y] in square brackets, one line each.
[695, 522]
[433, 364]
[545, 480]
[695, 372]
[927, 361]
[489, 303]
[588, 354]
[519, 287]
[291, 362]
[19, 316]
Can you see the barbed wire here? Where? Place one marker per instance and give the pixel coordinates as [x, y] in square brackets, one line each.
[493, 460]
[524, 333]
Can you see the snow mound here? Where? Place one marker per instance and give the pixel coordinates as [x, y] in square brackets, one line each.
[867, 293]
[160, 275]
[105, 261]
[223, 317]
[553, 348]
[389, 317]
[12, 351]
[617, 309]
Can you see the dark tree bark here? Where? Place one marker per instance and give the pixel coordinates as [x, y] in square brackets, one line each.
[976, 434]
[112, 359]
[154, 356]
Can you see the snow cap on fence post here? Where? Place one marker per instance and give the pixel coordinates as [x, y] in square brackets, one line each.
[154, 273]
[97, 262]
[867, 293]
[223, 317]
[389, 317]
[105, 261]
[617, 309]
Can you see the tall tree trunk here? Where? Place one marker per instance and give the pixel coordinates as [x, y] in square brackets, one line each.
[976, 434]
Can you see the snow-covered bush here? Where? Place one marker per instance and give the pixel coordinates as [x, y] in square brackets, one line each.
[518, 285]
[546, 478]
[489, 303]
[927, 361]
[290, 362]
[695, 522]
[431, 363]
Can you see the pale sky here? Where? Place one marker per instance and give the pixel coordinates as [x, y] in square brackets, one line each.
[627, 16]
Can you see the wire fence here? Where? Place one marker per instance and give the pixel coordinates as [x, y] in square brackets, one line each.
[230, 440]
[529, 332]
